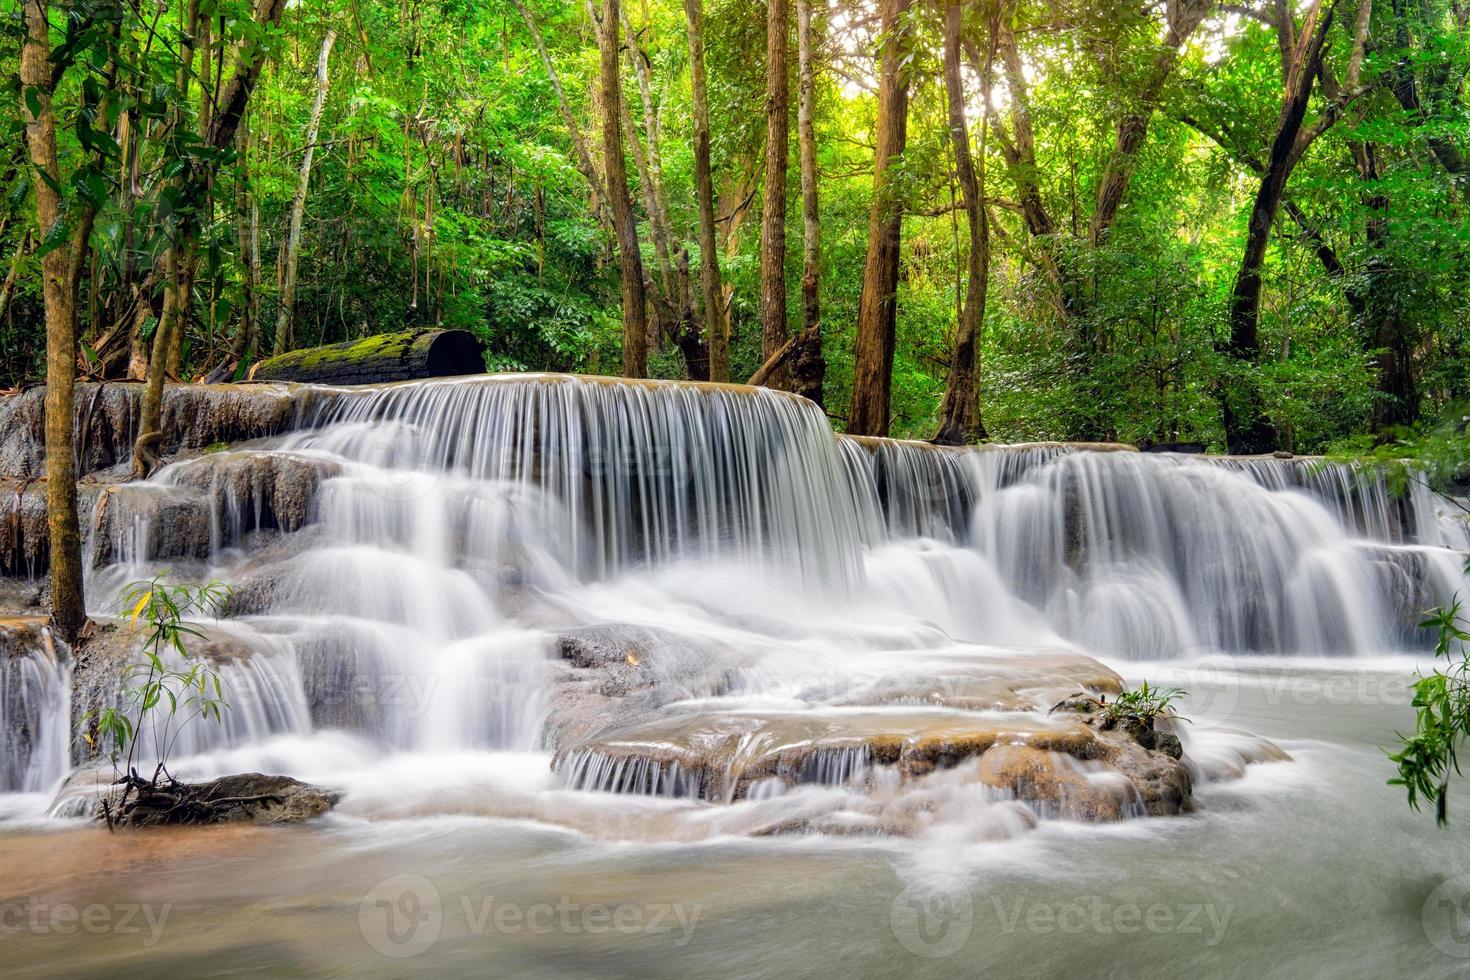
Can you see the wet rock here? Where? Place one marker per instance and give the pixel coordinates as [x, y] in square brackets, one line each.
[1408, 585]
[24, 597]
[719, 756]
[198, 506]
[619, 675]
[99, 665]
[258, 584]
[1058, 783]
[242, 798]
[146, 521]
[25, 548]
[194, 417]
[999, 681]
[253, 490]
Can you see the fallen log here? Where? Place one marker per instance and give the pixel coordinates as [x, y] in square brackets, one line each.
[379, 359]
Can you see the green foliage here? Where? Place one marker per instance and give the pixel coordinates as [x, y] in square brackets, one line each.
[445, 192]
[1143, 705]
[1442, 703]
[1438, 459]
[171, 687]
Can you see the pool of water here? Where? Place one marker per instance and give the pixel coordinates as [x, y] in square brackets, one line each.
[1310, 868]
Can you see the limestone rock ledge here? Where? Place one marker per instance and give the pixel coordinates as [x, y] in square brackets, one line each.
[992, 721]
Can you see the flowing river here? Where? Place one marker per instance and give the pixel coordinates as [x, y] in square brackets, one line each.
[608, 675]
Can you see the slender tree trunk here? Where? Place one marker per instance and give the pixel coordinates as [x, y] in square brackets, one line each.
[286, 308]
[1247, 429]
[223, 126]
[249, 257]
[630, 263]
[959, 415]
[68, 601]
[7, 289]
[878, 306]
[773, 215]
[1386, 333]
[716, 329]
[651, 166]
[1183, 17]
[810, 366]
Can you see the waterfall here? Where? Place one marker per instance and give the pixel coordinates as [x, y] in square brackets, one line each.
[407, 560]
[35, 702]
[639, 473]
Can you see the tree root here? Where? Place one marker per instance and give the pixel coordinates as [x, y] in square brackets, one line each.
[168, 802]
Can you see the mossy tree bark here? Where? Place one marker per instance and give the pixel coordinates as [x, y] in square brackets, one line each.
[58, 284]
[379, 359]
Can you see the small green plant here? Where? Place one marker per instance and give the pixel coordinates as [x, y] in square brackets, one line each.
[172, 693]
[1143, 705]
[1442, 700]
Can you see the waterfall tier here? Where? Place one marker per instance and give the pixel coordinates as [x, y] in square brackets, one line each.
[416, 568]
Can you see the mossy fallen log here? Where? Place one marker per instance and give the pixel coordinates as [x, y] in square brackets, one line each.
[379, 359]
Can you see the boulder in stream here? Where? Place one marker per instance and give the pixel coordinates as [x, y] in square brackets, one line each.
[241, 798]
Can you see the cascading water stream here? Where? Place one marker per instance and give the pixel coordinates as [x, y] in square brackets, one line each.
[35, 698]
[405, 562]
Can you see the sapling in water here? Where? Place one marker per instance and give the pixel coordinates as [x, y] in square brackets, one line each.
[175, 688]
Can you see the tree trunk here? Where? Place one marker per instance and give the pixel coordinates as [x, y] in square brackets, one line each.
[1247, 430]
[1386, 334]
[630, 263]
[7, 289]
[286, 308]
[223, 126]
[959, 415]
[716, 329]
[773, 214]
[878, 306]
[810, 370]
[379, 359]
[245, 214]
[1183, 19]
[68, 601]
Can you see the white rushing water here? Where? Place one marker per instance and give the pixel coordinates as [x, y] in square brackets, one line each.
[455, 530]
[415, 566]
